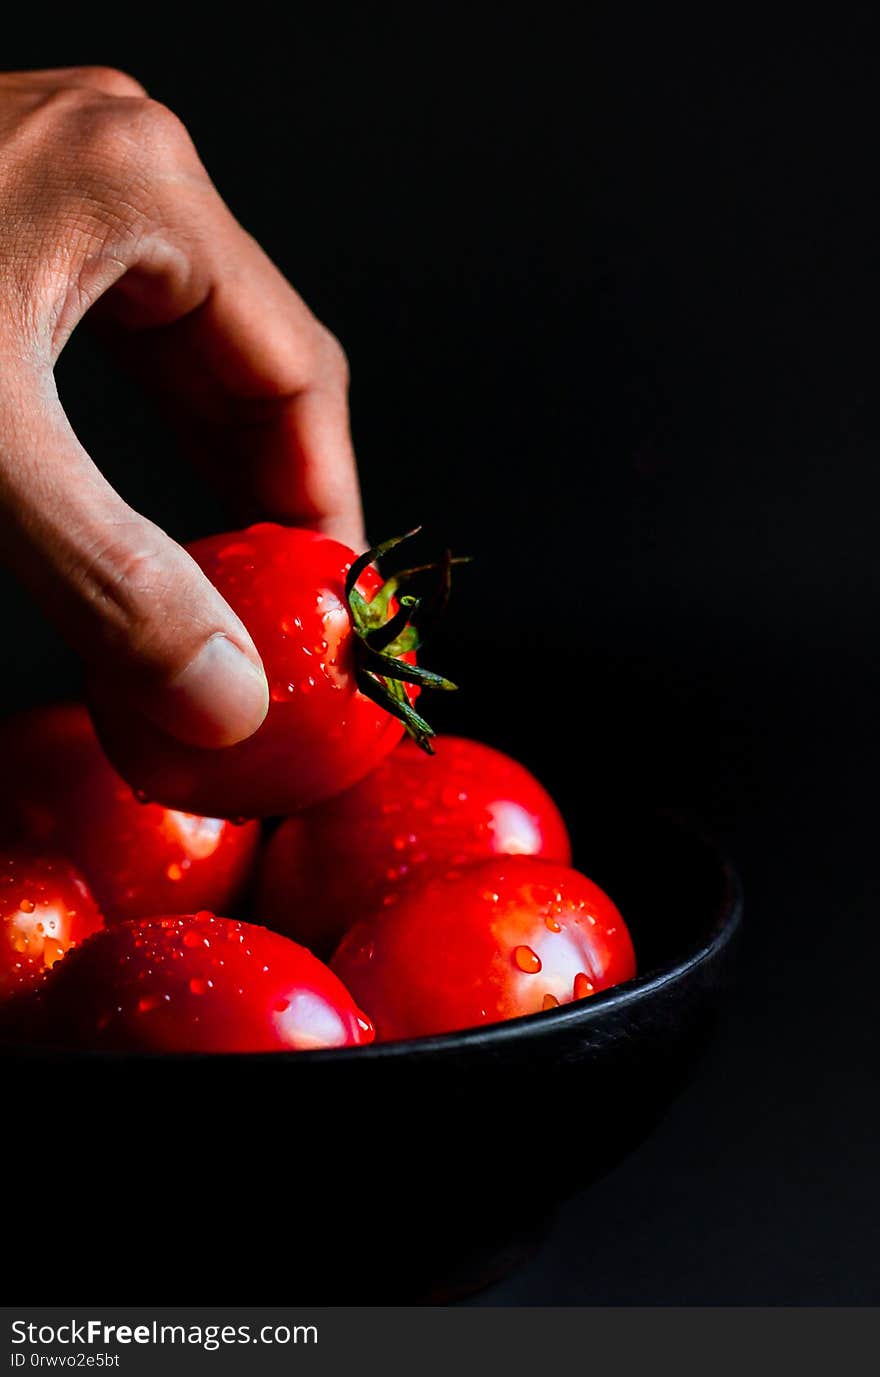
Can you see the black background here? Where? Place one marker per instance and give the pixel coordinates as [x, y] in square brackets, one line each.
[606, 280]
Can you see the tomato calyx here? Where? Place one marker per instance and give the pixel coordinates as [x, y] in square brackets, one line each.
[383, 636]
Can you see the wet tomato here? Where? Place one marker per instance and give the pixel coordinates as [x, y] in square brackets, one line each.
[330, 713]
[197, 983]
[490, 941]
[46, 908]
[62, 794]
[414, 815]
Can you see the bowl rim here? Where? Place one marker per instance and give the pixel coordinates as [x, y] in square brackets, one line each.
[581, 1014]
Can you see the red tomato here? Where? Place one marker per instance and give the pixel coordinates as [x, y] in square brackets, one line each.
[490, 941]
[415, 814]
[45, 909]
[197, 983]
[62, 794]
[322, 732]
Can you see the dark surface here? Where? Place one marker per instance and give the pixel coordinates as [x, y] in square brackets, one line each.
[610, 305]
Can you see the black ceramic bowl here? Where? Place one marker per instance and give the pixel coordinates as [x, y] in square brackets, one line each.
[405, 1171]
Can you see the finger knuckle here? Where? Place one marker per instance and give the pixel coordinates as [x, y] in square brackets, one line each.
[90, 169]
[140, 132]
[127, 583]
[104, 134]
[118, 154]
[111, 81]
[157, 128]
[333, 358]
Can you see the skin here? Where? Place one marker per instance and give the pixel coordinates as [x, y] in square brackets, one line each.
[109, 211]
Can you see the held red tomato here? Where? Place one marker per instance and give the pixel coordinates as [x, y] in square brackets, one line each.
[62, 794]
[491, 941]
[414, 815]
[311, 608]
[197, 983]
[46, 908]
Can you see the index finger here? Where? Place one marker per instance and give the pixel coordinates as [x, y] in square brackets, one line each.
[255, 384]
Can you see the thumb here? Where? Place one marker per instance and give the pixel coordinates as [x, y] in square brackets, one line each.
[130, 600]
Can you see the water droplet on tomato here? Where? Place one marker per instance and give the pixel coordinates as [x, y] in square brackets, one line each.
[281, 691]
[551, 924]
[200, 987]
[549, 1002]
[280, 1005]
[146, 1003]
[52, 952]
[26, 905]
[583, 986]
[527, 960]
[174, 872]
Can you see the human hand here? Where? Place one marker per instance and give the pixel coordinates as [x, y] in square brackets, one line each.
[108, 210]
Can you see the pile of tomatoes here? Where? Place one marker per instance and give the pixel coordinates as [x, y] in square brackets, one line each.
[405, 892]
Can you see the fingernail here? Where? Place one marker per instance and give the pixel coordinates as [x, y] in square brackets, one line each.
[220, 698]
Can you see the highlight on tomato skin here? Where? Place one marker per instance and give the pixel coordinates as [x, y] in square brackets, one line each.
[196, 983]
[46, 908]
[62, 794]
[412, 816]
[487, 942]
[322, 732]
